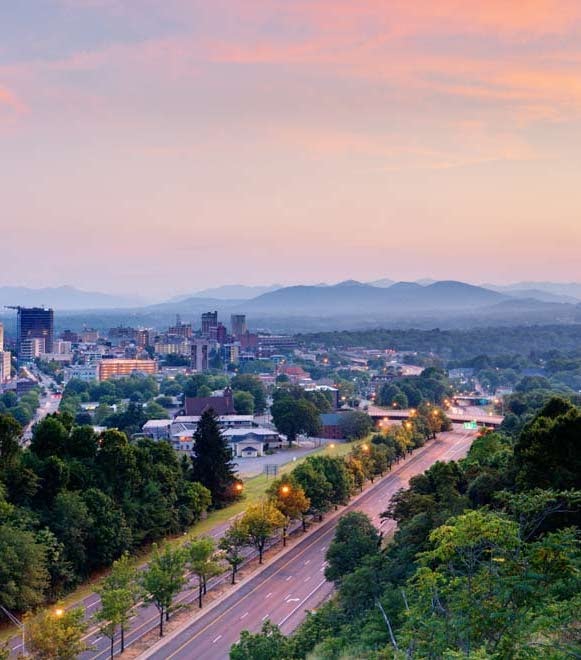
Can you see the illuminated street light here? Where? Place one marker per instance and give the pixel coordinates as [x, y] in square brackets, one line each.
[59, 612]
[285, 490]
[364, 447]
[238, 487]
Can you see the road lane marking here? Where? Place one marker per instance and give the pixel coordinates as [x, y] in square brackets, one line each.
[244, 616]
[307, 561]
[307, 578]
[400, 473]
[265, 616]
[268, 595]
[217, 638]
[305, 599]
[293, 600]
[290, 577]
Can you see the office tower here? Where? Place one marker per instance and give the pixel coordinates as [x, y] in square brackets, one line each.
[238, 324]
[209, 320]
[218, 333]
[31, 349]
[34, 323]
[1, 337]
[5, 365]
[200, 354]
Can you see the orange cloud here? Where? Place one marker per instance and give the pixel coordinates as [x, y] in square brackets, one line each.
[10, 99]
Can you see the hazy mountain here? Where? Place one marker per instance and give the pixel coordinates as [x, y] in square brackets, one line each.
[64, 297]
[570, 290]
[351, 298]
[229, 292]
[383, 283]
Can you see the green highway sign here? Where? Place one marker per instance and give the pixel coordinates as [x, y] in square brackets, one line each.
[470, 426]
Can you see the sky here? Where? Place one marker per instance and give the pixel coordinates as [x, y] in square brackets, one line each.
[163, 146]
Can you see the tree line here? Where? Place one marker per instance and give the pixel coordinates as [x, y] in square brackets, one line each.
[485, 562]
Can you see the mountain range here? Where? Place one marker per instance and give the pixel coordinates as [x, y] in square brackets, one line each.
[347, 304]
[64, 297]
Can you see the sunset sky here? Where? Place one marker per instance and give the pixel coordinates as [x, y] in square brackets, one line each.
[164, 146]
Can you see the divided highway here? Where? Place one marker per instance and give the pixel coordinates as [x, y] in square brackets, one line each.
[295, 581]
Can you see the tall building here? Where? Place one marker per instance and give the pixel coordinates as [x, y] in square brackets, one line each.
[1, 337]
[34, 323]
[238, 324]
[209, 320]
[200, 354]
[218, 333]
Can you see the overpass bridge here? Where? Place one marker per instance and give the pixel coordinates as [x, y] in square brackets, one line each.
[485, 420]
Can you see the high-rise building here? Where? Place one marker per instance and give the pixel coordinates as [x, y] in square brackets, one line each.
[200, 354]
[238, 324]
[209, 320]
[34, 323]
[1, 337]
[218, 333]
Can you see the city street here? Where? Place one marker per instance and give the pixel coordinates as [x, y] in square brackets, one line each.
[295, 581]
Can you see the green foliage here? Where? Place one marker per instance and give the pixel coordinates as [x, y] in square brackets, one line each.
[355, 538]
[243, 403]
[163, 579]
[52, 636]
[294, 416]
[355, 425]
[212, 461]
[269, 644]
[253, 386]
[259, 522]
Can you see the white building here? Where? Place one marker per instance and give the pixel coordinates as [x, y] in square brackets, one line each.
[85, 372]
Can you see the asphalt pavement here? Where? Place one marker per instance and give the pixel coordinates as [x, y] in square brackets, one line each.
[294, 582]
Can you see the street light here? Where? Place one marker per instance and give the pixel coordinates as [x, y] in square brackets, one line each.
[285, 490]
[238, 487]
[59, 612]
[364, 447]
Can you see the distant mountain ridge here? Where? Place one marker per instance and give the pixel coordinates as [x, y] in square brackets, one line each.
[64, 297]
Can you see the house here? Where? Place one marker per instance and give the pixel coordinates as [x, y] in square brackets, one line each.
[221, 405]
[251, 442]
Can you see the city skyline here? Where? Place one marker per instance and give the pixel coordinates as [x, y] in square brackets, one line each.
[179, 145]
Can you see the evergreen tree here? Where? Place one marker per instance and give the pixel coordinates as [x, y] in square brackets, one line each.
[212, 461]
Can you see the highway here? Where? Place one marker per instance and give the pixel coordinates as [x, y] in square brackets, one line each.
[294, 582]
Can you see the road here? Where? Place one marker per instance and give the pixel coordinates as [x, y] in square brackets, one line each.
[49, 403]
[295, 582]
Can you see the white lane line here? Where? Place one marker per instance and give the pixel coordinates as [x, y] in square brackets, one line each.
[97, 640]
[265, 616]
[290, 577]
[244, 616]
[268, 595]
[293, 600]
[288, 616]
[307, 578]
[307, 561]
[217, 638]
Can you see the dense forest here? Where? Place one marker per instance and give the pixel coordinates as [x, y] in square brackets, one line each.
[485, 562]
[456, 344]
[74, 501]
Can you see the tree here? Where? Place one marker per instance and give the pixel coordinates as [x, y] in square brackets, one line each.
[193, 501]
[72, 523]
[547, 453]
[336, 473]
[289, 498]
[55, 635]
[269, 644]
[316, 487]
[49, 437]
[292, 417]
[23, 571]
[231, 545]
[118, 593]
[260, 521]
[212, 461]
[355, 425]
[201, 557]
[355, 538]
[244, 403]
[252, 385]
[163, 579]
[10, 431]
